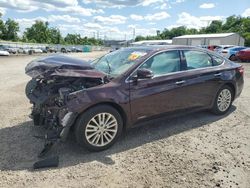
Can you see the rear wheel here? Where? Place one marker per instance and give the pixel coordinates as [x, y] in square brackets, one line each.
[233, 58]
[98, 128]
[223, 100]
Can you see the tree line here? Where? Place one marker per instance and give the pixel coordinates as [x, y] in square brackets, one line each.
[233, 23]
[41, 32]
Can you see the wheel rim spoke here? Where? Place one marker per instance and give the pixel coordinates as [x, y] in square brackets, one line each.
[101, 129]
[224, 100]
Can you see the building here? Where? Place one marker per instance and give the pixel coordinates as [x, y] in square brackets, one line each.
[210, 39]
[152, 42]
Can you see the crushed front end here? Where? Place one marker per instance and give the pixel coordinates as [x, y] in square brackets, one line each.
[53, 80]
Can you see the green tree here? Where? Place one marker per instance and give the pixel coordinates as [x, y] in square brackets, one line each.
[10, 30]
[55, 36]
[214, 27]
[38, 32]
[72, 39]
[1, 27]
[139, 38]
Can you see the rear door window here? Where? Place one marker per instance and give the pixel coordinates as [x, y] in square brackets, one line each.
[217, 60]
[197, 59]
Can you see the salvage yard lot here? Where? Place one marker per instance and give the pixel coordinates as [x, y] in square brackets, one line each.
[195, 150]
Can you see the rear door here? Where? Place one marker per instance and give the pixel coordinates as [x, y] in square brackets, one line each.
[202, 78]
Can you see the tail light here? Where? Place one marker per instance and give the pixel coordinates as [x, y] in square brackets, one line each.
[240, 70]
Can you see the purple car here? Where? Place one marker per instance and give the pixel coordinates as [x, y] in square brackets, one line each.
[100, 99]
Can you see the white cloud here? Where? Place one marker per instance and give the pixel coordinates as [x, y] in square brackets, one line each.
[65, 18]
[122, 3]
[111, 20]
[79, 10]
[157, 16]
[185, 19]
[178, 1]
[150, 2]
[19, 5]
[207, 5]
[136, 17]
[27, 22]
[150, 17]
[246, 13]
[68, 6]
[2, 11]
[93, 26]
[59, 3]
[211, 18]
[142, 31]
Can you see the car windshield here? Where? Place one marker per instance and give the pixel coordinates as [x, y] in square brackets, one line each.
[118, 62]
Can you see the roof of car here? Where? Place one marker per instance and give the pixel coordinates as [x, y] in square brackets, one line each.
[214, 35]
[161, 47]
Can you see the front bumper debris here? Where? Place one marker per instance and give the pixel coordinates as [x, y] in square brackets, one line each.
[57, 123]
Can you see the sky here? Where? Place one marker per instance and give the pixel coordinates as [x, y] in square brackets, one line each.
[120, 19]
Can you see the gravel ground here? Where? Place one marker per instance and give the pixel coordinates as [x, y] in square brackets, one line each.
[195, 150]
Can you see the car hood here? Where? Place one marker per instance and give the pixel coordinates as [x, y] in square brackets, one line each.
[60, 65]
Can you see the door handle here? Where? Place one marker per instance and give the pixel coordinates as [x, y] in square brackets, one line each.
[217, 74]
[180, 82]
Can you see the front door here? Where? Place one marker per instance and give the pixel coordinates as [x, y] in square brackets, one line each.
[162, 93]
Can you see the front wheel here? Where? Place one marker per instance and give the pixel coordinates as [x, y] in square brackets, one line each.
[223, 101]
[98, 128]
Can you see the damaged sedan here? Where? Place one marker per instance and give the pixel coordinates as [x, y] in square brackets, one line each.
[100, 99]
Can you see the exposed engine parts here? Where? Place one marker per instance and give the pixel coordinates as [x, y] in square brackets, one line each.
[54, 79]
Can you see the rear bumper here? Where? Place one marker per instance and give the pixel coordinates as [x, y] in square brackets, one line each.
[239, 87]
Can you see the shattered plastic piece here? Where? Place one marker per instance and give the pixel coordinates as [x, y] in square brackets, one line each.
[46, 163]
[46, 149]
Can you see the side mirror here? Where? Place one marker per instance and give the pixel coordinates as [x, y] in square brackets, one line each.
[144, 73]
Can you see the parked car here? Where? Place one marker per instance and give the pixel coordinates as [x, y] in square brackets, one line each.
[12, 50]
[212, 47]
[203, 46]
[230, 53]
[65, 50]
[219, 48]
[21, 50]
[243, 55]
[44, 50]
[99, 100]
[27, 50]
[37, 50]
[51, 49]
[74, 49]
[4, 52]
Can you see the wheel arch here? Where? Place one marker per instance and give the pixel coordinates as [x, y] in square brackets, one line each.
[232, 86]
[112, 104]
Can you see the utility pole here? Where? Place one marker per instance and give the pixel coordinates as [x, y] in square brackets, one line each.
[133, 33]
[98, 34]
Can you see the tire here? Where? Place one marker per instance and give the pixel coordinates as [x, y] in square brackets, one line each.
[31, 85]
[87, 132]
[224, 96]
[232, 58]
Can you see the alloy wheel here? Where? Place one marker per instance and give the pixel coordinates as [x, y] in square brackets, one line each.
[101, 129]
[224, 100]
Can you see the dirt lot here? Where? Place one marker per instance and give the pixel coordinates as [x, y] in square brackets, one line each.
[196, 150]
